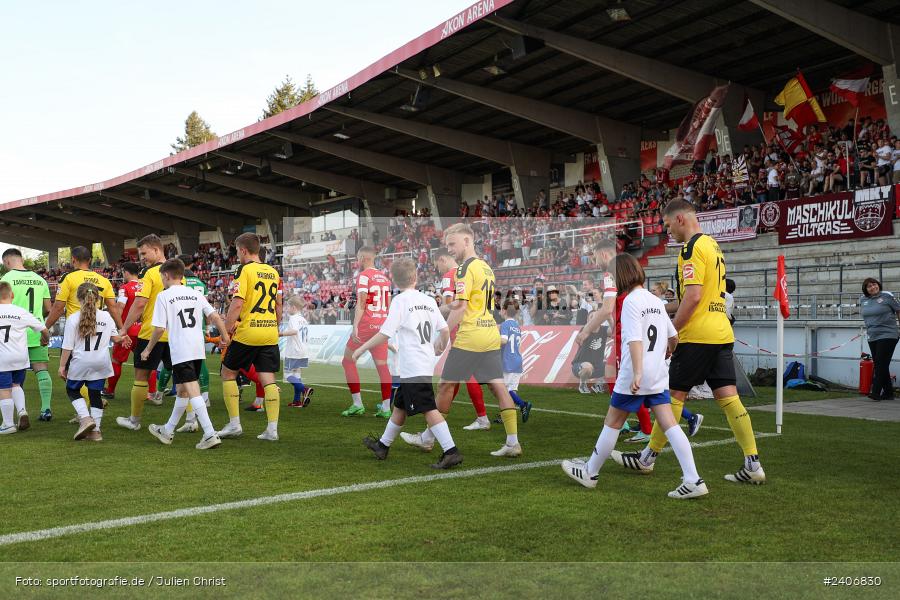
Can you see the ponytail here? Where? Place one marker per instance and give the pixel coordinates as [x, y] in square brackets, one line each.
[89, 297]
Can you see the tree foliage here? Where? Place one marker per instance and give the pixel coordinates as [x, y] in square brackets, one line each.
[196, 132]
[288, 95]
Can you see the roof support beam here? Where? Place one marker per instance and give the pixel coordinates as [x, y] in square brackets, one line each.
[276, 193]
[243, 206]
[227, 223]
[151, 220]
[421, 173]
[88, 234]
[878, 41]
[26, 241]
[670, 79]
[351, 186]
[128, 229]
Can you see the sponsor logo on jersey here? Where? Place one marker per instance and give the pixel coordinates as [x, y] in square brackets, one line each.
[687, 271]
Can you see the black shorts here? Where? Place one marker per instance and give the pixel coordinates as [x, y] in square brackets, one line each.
[693, 364]
[462, 365]
[159, 353]
[266, 359]
[415, 396]
[593, 352]
[187, 372]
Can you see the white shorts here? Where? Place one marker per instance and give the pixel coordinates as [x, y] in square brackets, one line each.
[511, 380]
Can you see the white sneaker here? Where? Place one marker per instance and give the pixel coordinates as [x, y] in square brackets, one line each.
[85, 426]
[209, 443]
[10, 429]
[598, 388]
[156, 398]
[478, 425]
[73, 420]
[230, 431]
[686, 491]
[159, 433]
[577, 470]
[508, 451]
[127, 423]
[415, 439]
[269, 436]
[188, 427]
[583, 388]
[631, 460]
[757, 477]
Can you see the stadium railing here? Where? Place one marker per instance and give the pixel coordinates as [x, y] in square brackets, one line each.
[804, 307]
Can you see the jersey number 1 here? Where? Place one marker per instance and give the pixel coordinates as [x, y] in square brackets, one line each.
[424, 330]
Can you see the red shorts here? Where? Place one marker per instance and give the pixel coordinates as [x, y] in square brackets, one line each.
[366, 332]
[120, 353]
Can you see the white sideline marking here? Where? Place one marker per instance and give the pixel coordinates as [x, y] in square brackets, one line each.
[56, 532]
[545, 410]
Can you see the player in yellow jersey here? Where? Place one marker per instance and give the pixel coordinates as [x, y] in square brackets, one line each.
[476, 349]
[705, 350]
[254, 315]
[66, 301]
[153, 255]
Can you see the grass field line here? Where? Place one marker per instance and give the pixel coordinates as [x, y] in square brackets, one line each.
[194, 511]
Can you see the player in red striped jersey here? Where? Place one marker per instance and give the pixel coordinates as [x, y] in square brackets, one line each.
[447, 265]
[373, 297]
[127, 292]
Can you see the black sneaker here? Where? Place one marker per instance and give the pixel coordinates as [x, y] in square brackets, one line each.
[307, 396]
[526, 411]
[450, 458]
[377, 448]
[45, 415]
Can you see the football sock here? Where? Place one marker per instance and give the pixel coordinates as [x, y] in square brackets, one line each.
[112, 381]
[477, 396]
[602, 449]
[151, 383]
[205, 396]
[273, 402]
[509, 416]
[260, 392]
[352, 377]
[357, 399]
[80, 407]
[260, 400]
[232, 395]
[84, 393]
[385, 404]
[657, 436]
[298, 386]
[442, 434]
[138, 397]
[686, 414]
[6, 407]
[427, 436]
[175, 417]
[199, 406]
[751, 463]
[515, 398]
[45, 387]
[391, 431]
[740, 424]
[648, 455]
[162, 381]
[455, 390]
[644, 419]
[203, 378]
[18, 396]
[97, 415]
[682, 449]
[384, 375]
[189, 414]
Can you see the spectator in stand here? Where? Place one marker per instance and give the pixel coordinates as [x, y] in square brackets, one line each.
[885, 164]
[773, 182]
[895, 157]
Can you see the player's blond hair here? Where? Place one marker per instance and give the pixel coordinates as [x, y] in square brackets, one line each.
[403, 272]
[6, 290]
[297, 302]
[88, 297]
[460, 229]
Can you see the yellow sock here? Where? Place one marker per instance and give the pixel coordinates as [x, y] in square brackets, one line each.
[232, 397]
[510, 420]
[658, 438]
[740, 424]
[138, 397]
[84, 394]
[273, 402]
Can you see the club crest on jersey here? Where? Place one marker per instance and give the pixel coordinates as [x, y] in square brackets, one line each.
[687, 271]
[460, 287]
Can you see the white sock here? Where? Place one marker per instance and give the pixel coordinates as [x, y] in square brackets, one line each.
[18, 396]
[391, 431]
[191, 415]
[272, 427]
[648, 456]
[235, 421]
[751, 463]
[602, 449]
[175, 417]
[97, 415]
[483, 420]
[427, 436]
[357, 399]
[200, 414]
[682, 449]
[6, 407]
[386, 404]
[441, 432]
[81, 408]
[259, 401]
[205, 396]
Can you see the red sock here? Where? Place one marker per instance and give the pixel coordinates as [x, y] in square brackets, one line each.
[114, 380]
[455, 390]
[477, 397]
[644, 419]
[384, 374]
[352, 375]
[151, 382]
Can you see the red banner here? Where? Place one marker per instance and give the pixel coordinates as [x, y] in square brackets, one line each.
[648, 156]
[591, 167]
[728, 225]
[841, 216]
[839, 111]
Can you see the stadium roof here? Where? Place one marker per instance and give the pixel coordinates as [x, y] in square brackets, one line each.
[505, 83]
